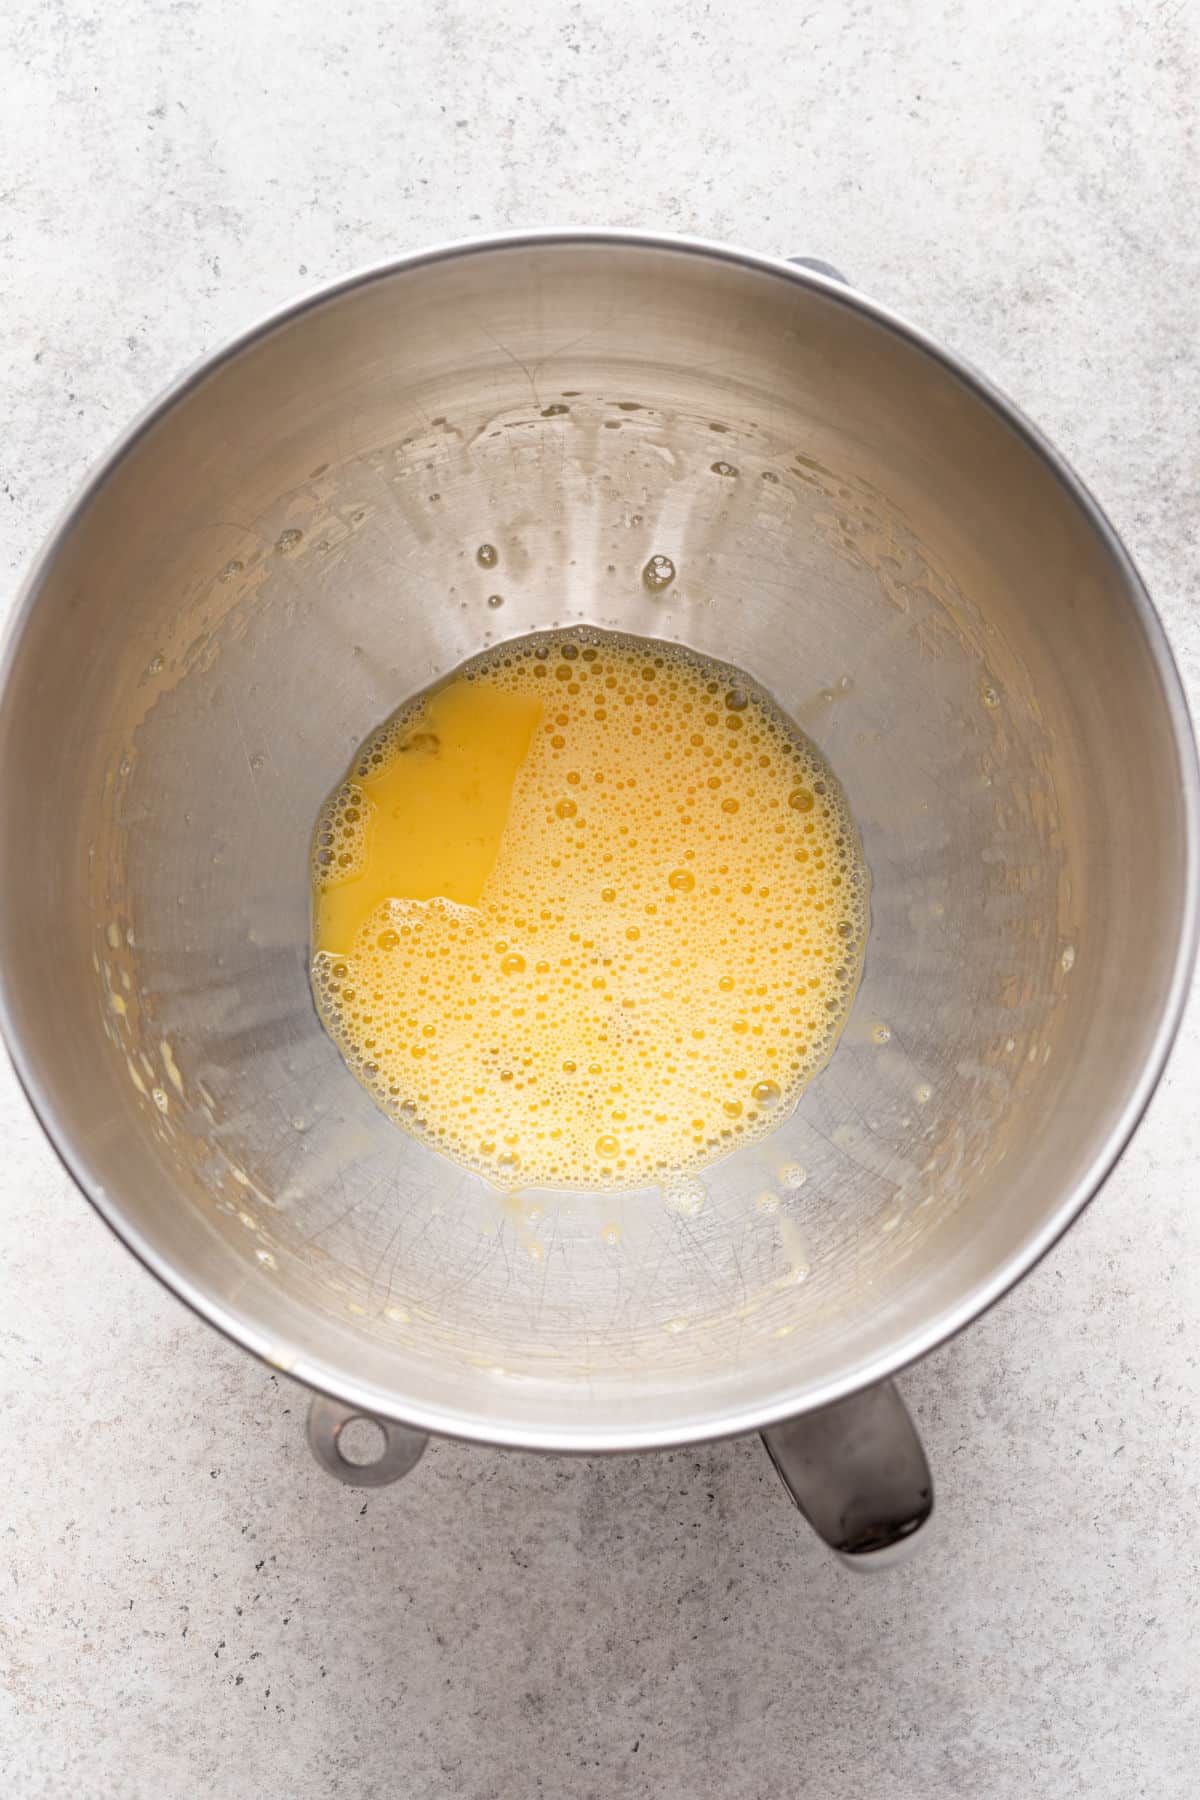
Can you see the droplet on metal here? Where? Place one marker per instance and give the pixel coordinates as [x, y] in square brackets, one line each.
[658, 573]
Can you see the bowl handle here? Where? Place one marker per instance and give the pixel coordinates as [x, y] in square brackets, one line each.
[857, 1472]
[402, 1449]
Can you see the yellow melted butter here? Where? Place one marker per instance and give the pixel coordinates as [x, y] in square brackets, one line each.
[589, 914]
[434, 810]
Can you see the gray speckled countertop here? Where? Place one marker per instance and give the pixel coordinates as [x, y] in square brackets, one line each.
[186, 1605]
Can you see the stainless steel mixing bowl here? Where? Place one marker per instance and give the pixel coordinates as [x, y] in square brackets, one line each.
[286, 546]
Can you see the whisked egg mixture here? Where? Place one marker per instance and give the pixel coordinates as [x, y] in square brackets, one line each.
[591, 913]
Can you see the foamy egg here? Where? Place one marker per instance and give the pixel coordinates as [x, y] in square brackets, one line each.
[591, 913]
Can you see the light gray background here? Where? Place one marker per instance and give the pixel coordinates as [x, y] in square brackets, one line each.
[186, 1605]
